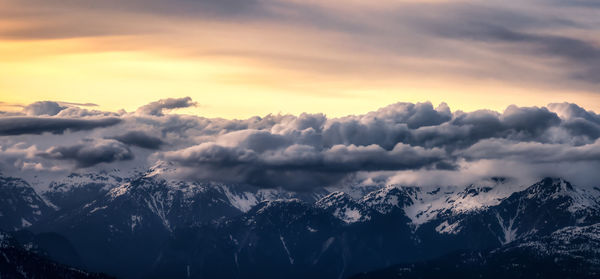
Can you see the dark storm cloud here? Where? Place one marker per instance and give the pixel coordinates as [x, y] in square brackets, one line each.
[90, 152]
[140, 139]
[10, 126]
[157, 108]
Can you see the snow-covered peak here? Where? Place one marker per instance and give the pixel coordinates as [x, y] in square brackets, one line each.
[550, 187]
[77, 180]
[558, 189]
[343, 207]
[334, 199]
[244, 198]
[20, 205]
[269, 205]
[162, 169]
[391, 197]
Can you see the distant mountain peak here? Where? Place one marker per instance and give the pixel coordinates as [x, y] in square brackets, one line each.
[343, 207]
[390, 198]
[20, 205]
[268, 205]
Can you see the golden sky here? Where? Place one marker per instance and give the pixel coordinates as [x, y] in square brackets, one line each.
[243, 58]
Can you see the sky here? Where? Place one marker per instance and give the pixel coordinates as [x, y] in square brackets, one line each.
[302, 94]
[242, 58]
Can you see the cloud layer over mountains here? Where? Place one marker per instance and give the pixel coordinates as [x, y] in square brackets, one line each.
[400, 143]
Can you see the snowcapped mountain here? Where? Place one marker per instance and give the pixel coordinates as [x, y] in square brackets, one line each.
[342, 206]
[544, 207]
[390, 199]
[180, 204]
[20, 205]
[131, 218]
[79, 188]
[383, 227]
[150, 225]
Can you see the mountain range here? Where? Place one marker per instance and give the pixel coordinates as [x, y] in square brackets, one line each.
[147, 225]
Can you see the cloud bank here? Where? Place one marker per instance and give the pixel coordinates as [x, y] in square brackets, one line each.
[38, 125]
[402, 142]
[89, 152]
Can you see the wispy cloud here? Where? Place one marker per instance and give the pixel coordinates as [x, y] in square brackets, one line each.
[321, 50]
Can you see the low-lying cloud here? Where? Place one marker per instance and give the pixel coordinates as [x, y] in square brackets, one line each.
[11, 126]
[400, 142]
[140, 139]
[90, 152]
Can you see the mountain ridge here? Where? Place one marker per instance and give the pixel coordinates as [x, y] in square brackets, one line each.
[139, 225]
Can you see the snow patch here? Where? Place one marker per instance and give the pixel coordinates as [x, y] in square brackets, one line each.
[135, 221]
[25, 223]
[244, 201]
[157, 205]
[286, 250]
[119, 191]
[97, 209]
[510, 233]
[445, 228]
[349, 215]
[327, 243]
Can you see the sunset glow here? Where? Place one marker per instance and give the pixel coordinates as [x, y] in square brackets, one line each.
[281, 57]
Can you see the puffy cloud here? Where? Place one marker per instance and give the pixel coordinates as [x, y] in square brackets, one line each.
[570, 111]
[76, 112]
[10, 126]
[528, 122]
[532, 152]
[43, 108]
[312, 150]
[255, 140]
[577, 121]
[140, 139]
[90, 152]
[328, 165]
[339, 158]
[465, 129]
[157, 108]
[386, 126]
